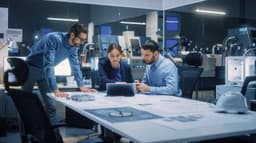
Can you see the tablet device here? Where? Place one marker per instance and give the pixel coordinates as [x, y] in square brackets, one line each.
[120, 89]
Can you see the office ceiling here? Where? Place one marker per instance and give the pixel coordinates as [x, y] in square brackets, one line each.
[233, 8]
[142, 4]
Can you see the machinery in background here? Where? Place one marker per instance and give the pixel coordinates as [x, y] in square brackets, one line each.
[238, 68]
[138, 68]
[103, 41]
[135, 59]
[239, 41]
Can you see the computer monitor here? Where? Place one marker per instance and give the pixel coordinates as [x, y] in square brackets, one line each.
[63, 68]
[106, 30]
[172, 23]
[135, 47]
[172, 47]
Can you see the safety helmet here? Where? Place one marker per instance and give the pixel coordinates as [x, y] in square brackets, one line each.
[232, 102]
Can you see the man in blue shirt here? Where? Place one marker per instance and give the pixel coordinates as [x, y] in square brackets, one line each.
[161, 75]
[46, 54]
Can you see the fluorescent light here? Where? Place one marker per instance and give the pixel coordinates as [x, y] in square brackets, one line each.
[210, 12]
[172, 21]
[63, 19]
[133, 23]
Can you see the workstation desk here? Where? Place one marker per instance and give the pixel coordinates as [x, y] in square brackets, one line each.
[161, 119]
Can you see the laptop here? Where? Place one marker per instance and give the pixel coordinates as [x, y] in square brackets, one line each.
[120, 89]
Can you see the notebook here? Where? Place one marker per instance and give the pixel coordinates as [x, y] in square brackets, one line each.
[120, 89]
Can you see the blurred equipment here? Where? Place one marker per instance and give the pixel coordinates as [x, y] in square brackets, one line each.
[87, 53]
[185, 43]
[135, 46]
[217, 49]
[234, 70]
[103, 41]
[238, 68]
[138, 68]
[239, 40]
[172, 48]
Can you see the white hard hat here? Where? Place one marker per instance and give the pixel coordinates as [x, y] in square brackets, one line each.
[232, 102]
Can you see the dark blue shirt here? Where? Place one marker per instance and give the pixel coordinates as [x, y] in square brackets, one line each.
[109, 75]
[116, 74]
[51, 50]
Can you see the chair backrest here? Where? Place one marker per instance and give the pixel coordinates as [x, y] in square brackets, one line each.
[19, 71]
[189, 77]
[247, 80]
[35, 119]
[193, 59]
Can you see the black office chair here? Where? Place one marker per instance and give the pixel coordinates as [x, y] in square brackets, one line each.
[36, 122]
[18, 73]
[193, 59]
[189, 77]
[246, 82]
[190, 73]
[249, 90]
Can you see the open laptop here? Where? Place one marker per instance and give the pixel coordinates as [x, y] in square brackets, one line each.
[120, 89]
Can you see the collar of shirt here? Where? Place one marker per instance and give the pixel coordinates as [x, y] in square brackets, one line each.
[66, 41]
[158, 62]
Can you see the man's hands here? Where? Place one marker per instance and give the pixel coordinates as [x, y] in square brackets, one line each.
[85, 89]
[59, 93]
[141, 87]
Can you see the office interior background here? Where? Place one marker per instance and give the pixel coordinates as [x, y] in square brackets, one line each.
[227, 34]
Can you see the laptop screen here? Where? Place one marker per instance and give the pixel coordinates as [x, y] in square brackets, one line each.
[120, 89]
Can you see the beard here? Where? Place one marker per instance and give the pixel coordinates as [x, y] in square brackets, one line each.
[152, 60]
[75, 44]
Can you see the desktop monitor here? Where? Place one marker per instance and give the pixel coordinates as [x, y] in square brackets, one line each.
[135, 47]
[63, 68]
[172, 47]
[106, 30]
[172, 23]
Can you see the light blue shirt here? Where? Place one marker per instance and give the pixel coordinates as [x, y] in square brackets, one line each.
[162, 77]
[51, 50]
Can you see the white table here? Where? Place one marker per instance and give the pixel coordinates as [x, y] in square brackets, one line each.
[208, 125]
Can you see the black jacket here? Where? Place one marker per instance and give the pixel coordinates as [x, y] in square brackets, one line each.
[105, 71]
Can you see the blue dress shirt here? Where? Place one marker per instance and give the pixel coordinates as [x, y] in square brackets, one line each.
[51, 50]
[162, 77]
